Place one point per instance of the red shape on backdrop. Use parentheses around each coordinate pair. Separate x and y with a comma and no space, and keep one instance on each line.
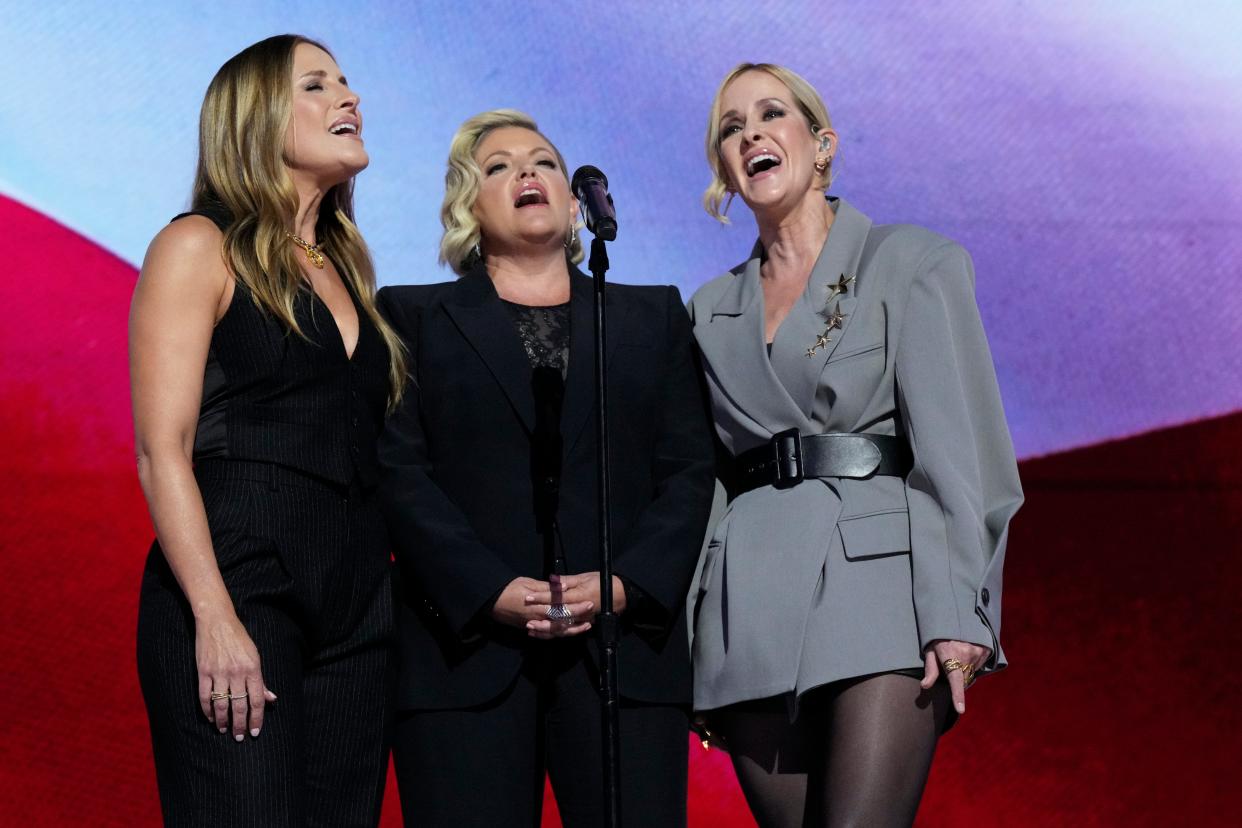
(1120,601)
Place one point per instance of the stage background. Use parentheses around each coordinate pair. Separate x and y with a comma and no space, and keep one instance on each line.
(1087,154)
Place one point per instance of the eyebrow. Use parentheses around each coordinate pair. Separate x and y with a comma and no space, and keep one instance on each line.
(320,73)
(506,153)
(733,113)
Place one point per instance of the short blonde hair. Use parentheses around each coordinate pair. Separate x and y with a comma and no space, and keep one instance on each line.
(805,97)
(462,181)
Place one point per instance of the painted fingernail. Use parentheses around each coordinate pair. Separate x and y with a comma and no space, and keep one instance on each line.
(240,737)
(961,708)
(254,731)
(224,730)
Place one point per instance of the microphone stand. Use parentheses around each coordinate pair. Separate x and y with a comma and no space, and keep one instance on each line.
(607,622)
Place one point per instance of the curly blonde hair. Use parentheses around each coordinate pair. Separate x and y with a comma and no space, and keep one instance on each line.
(461,187)
(809,103)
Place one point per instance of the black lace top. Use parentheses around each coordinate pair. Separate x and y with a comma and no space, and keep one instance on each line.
(544,332)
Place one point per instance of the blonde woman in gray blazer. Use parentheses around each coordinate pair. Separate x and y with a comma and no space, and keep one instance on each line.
(851,592)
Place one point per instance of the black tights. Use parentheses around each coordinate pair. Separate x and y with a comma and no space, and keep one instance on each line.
(858,753)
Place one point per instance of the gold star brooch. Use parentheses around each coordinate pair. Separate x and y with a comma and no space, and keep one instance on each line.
(835,319)
(840,287)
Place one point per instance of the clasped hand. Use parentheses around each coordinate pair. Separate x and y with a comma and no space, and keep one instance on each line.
(525,601)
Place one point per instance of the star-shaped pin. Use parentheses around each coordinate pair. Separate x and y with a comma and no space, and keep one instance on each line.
(834,319)
(840,287)
(821,341)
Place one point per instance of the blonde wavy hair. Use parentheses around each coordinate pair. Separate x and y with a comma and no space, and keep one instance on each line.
(458,245)
(241,171)
(809,103)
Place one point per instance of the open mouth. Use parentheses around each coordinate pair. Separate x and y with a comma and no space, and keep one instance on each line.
(530,196)
(762,162)
(344,128)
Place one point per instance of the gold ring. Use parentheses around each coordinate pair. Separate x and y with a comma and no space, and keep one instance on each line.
(242,696)
(220,696)
(968,670)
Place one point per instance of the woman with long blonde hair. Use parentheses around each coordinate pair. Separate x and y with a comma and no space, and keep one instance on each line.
(261,374)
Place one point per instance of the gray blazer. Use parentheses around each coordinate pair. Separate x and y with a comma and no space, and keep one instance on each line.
(838,578)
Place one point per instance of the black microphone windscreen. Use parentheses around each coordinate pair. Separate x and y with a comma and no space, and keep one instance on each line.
(586,173)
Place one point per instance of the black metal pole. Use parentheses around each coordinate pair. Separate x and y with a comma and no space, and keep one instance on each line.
(607,619)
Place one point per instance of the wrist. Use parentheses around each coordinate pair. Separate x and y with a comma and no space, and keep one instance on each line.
(213,612)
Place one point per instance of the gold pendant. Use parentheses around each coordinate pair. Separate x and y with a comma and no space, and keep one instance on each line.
(314,254)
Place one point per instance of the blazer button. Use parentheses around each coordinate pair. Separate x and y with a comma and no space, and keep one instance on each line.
(986,596)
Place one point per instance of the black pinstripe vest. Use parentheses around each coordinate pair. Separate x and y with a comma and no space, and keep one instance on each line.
(272,396)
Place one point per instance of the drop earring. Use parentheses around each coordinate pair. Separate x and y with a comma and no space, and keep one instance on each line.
(821,164)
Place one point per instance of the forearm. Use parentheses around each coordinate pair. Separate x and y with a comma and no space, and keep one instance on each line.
(180,519)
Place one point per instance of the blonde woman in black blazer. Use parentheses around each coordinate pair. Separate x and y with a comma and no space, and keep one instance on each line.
(492,691)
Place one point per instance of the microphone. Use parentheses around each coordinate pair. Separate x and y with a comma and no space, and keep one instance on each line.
(591,187)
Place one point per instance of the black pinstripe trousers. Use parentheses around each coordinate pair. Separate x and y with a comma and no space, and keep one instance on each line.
(307,566)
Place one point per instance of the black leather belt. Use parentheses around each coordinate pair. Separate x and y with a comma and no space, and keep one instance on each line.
(789,458)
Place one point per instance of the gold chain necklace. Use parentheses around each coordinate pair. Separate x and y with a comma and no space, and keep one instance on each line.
(314,252)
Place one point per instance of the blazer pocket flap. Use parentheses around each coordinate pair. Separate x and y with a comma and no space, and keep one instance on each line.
(875,536)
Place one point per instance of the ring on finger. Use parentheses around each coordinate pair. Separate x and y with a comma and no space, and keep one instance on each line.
(968,670)
(217,696)
(239,696)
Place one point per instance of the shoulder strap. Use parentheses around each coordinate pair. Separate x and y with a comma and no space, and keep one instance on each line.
(215,212)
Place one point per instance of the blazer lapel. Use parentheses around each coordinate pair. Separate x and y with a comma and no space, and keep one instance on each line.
(734,350)
(579,404)
(820,320)
(477,311)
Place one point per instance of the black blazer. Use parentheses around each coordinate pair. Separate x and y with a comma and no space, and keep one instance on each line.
(455,482)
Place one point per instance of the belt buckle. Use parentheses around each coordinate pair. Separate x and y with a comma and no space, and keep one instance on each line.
(787,458)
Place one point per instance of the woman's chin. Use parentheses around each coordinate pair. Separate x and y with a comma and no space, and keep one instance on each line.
(541,239)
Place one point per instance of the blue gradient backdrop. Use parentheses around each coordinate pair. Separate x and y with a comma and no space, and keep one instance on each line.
(1087,153)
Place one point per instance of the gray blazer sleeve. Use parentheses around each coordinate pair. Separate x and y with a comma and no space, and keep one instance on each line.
(964,487)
